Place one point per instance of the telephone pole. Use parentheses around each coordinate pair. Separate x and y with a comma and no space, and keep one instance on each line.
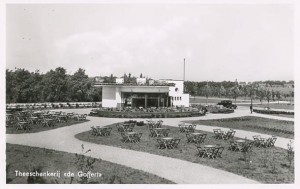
(183,69)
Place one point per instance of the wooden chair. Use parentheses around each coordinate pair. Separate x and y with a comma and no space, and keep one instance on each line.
(108,131)
(181,128)
(138,137)
(272,141)
(217,133)
(166,132)
(94,131)
(189,137)
(233,146)
(161,144)
(152,132)
(220,151)
(201,152)
(257,140)
(125,138)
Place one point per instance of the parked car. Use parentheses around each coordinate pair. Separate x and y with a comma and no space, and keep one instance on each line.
(227,104)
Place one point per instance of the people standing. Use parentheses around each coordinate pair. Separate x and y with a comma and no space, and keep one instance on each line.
(251,108)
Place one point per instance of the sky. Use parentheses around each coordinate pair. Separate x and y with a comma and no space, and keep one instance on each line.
(247,42)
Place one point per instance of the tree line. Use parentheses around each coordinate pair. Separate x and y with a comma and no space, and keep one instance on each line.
(230,89)
(56,85)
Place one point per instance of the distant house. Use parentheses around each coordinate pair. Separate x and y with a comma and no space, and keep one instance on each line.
(289,85)
(99,79)
(242,84)
(277,86)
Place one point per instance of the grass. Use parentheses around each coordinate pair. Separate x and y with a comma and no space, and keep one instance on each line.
(256,124)
(230,161)
(202,100)
(273,106)
(283,115)
(38,127)
(25,158)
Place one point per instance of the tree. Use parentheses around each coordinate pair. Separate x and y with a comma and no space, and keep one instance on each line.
(80,86)
(261,93)
(222,91)
(207,92)
(55,85)
(278,96)
(235,93)
(268,95)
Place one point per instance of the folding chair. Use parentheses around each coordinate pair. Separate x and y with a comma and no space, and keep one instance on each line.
(201,152)
(257,140)
(125,138)
(220,151)
(94,131)
(166,132)
(272,141)
(181,128)
(108,131)
(189,137)
(161,144)
(176,142)
(152,132)
(233,146)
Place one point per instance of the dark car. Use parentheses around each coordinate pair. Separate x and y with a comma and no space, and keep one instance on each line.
(227,104)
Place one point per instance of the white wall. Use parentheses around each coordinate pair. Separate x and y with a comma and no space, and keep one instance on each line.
(109,97)
(176,92)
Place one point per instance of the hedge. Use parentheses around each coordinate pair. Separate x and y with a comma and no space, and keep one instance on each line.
(272,112)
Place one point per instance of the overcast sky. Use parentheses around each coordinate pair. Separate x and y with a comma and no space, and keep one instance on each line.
(219,42)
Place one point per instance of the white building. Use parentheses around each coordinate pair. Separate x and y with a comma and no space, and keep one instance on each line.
(162,93)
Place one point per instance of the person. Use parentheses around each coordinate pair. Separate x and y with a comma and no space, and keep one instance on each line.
(251,108)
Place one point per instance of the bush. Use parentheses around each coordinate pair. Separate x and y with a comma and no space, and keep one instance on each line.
(272,112)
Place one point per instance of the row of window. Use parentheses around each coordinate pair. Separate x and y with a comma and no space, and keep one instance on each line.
(174,98)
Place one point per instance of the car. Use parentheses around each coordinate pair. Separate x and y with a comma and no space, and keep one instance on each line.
(227,104)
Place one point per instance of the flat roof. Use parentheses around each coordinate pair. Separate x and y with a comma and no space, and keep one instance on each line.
(136,84)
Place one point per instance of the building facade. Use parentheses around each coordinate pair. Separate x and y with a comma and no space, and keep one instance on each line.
(161,93)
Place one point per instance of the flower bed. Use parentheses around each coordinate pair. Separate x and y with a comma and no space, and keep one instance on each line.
(121,114)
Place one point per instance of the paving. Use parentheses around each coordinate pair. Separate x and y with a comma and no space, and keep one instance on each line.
(178,171)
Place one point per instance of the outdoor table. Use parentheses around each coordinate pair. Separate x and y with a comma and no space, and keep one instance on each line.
(131,133)
(167,138)
(210,146)
(195,134)
(240,141)
(209,150)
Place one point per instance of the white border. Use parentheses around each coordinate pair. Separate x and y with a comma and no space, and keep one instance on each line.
(238,186)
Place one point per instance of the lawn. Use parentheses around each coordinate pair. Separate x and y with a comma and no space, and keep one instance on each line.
(273,106)
(202,100)
(256,124)
(25,158)
(38,127)
(261,168)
